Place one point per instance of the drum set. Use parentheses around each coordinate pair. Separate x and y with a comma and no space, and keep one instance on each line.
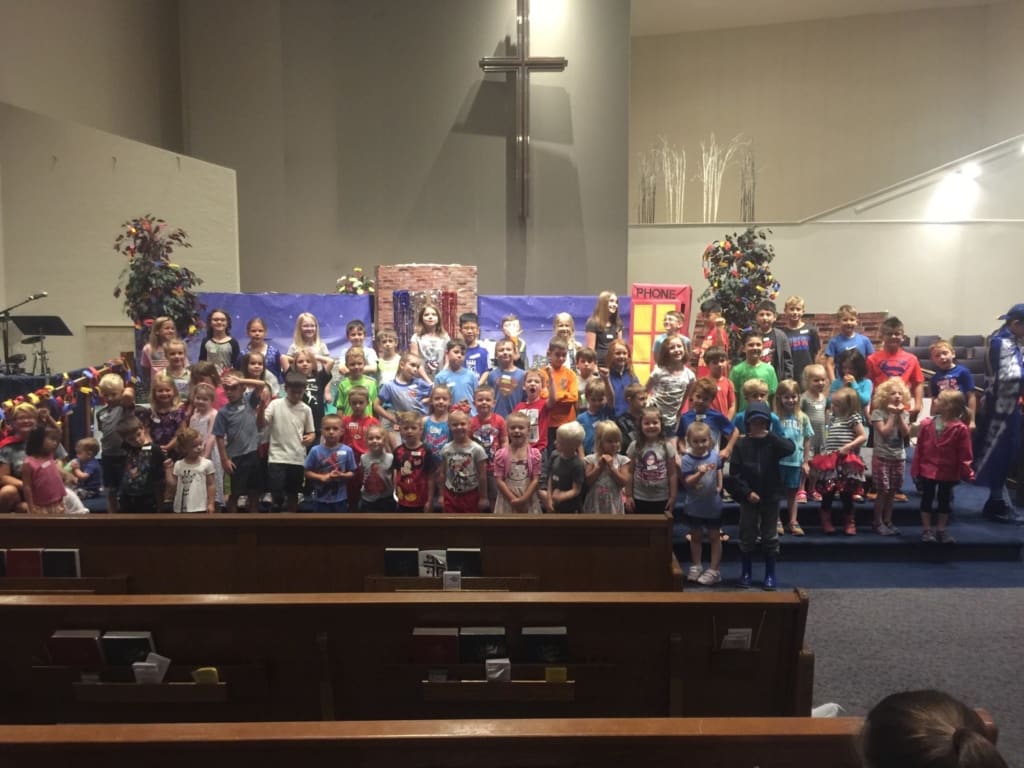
(36,329)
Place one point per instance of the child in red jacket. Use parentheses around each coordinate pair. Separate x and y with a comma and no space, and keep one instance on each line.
(942,458)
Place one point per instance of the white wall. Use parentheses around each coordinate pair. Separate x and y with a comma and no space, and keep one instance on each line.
(365,133)
(64,193)
(110,64)
(836,108)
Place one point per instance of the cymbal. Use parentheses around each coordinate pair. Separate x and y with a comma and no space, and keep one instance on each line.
(33,340)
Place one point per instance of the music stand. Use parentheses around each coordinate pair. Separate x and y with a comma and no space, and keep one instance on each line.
(41,326)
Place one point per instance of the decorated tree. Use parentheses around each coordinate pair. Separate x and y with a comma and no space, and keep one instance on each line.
(739,275)
(153,285)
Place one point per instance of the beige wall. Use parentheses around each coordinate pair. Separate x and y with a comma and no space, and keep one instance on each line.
(64,192)
(836,109)
(365,133)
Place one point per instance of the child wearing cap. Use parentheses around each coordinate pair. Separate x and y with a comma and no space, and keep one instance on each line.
(755,481)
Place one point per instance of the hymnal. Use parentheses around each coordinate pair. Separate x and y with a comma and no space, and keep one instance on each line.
(61,562)
(125,648)
(432,563)
(465,559)
(435,645)
(477,644)
(545,645)
(24,562)
(401,561)
(498,670)
(75,648)
(451,581)
(738,638)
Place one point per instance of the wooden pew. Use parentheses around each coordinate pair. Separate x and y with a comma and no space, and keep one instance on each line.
(349,656)
(201,554)
(597,742)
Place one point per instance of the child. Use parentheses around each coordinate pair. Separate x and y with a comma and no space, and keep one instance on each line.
(754,480)
(566,472)
(804,342)
(377,492)
(177,366)
(355,376)
(517,469)
(854,374)
(536,408)
(596,412)
(942,457)
(218,347)
(476,356)
(461,381)
(893,360)
(153,359)
(561,384)
(41,475)
(701,474)
(725,398)
(205,372)
(435,426)
(307,336)
(165,415)
(355,332)
(489,430)
(256,328)
(388,358)
(669,382)
(141,487)
(752,367)
(118,407)
(796,427)
(254,366)
(673,327)
(190,481)
(714,331)
(891,425)
(429,341)
(237,432)
(329,467)
(619,373)
(774,343)
(700,412)
(607,472)
(202,420)
(505,379)
(654,475)
(86,470)
(814,403)
(587,370)
(414,466)
(354,429)
(603,326)
(564,328)
(950,375)
(838,468)
(306,364)
(513,331)
(847,338)
(408,391)
(291,433)
(629,422)
(464,468)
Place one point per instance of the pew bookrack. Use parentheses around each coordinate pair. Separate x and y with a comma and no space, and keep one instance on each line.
(64,585)
(146,693)
(523,583)
(520,691)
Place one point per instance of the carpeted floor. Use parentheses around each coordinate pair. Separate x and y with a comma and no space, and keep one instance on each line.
(871,642)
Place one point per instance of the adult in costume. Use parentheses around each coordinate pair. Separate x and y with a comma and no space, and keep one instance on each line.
(997,438)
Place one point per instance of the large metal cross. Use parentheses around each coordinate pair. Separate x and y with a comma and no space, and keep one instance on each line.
(520,65)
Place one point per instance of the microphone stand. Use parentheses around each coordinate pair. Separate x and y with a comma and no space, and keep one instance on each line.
(5,320)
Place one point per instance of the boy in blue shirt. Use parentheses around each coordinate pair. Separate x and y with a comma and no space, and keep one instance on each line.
(329,466)
(461,381)
(476,356)
(847,338)
(597,410)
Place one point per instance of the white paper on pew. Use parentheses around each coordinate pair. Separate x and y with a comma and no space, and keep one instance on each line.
(831,709)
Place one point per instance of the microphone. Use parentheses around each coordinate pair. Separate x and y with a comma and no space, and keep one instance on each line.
(40,295)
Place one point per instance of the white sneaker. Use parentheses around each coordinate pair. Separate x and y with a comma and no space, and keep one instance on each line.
(710,578)
(694,573)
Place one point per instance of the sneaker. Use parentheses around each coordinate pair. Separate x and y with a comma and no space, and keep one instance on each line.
(796,530)
(816,496)
(998,510)
(945,537)
(900,497)
(694,573)
(858,498)
(801,497)
(892,530)
(928,536)
(780,528)
(880,529)
(710,577)
(870,495)
(850,528)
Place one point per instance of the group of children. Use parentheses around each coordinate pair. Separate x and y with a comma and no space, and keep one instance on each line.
(440,426)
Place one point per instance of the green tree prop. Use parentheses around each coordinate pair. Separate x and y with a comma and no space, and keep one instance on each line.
(739,275)
(152,285)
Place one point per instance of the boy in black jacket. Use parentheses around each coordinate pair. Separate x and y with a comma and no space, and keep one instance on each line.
(755,482)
